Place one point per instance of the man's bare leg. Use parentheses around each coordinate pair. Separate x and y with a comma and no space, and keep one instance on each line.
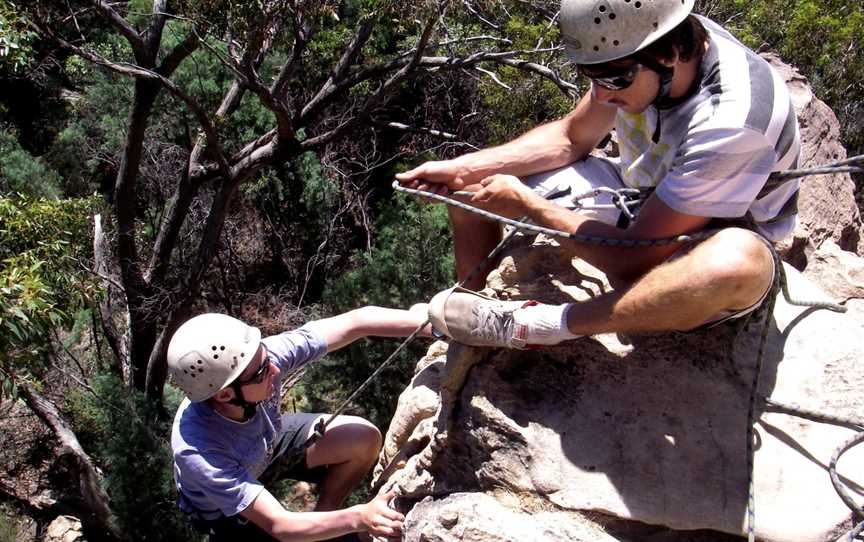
(731,270)
(473,238)
(349,448)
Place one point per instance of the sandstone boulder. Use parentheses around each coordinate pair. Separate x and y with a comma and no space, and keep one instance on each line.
(644,428)
(643,437)
(826,208)
(64,529)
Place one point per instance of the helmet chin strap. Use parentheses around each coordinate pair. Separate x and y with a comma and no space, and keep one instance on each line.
(662,100)
(240,400)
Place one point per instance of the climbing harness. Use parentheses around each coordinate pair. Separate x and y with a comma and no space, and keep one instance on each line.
(626,200)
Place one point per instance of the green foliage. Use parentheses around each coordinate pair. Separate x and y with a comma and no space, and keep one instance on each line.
(530,100)
(42,282)
(411,262)
(8,529)
(15,39)
(24,173)
(127,438)
(824,39)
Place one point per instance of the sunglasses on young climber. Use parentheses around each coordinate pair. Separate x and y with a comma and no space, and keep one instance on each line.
(611,80)
(260,373)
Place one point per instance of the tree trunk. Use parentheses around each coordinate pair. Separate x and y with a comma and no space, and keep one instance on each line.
(99,517)
(142,321)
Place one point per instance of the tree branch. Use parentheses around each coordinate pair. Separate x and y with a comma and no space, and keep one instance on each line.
(415,129)
(302,34)
(154,33)
(143,73)
(177,55)
(127,30)
(334,85)
(89,480)
(382,92)
(565,86)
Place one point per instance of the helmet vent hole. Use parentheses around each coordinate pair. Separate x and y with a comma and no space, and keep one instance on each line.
(637,5)
(602,9)
(615,43)
(656,25)
(221,348)
(192,375)
(242,354)
(597,20)
(213,347)
(611,15)
(603,39)
(200,362)
(596,48)
(200,370)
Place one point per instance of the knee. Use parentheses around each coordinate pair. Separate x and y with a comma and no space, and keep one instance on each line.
(738,259)
(365,438)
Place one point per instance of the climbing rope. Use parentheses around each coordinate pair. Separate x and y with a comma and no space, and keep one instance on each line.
(625,199)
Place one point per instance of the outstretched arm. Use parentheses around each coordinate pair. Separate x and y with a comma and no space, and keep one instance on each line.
(374,517)
(369,321)
(548,146)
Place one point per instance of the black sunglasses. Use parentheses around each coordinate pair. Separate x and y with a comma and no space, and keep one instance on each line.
(260,372)
(618,80)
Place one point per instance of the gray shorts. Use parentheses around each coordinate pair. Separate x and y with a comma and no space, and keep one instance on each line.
(565,186)
(289,455)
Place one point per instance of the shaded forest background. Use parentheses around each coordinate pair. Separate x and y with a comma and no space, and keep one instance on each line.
(239,157)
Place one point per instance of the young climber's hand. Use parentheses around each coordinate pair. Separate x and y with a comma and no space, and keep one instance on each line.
(379,519)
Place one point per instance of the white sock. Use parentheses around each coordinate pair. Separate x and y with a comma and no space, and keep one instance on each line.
(546,324)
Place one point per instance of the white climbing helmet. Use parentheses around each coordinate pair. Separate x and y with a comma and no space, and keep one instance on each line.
(209,351)
(597,31)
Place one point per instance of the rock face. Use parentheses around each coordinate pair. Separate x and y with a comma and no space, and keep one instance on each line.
(64,529)
(826,206)
(642,437)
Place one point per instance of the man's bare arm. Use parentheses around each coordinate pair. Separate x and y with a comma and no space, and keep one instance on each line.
(375,517)
(543,148)
(343,329)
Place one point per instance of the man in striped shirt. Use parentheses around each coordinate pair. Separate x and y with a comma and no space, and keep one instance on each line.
(701,123)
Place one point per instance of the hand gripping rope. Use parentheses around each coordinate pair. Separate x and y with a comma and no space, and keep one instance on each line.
(624,199)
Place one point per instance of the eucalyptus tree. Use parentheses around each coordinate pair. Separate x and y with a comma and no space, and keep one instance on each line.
(326,72)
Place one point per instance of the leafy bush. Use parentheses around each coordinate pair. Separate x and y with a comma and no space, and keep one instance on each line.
(21,172)
(824,39)
(129,440)
(42,280)
(15,38)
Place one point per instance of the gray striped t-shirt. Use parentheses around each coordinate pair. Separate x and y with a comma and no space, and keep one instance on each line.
(716,150)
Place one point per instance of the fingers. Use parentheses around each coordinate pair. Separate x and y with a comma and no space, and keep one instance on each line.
(481,196)
(380,519)
(410,175)
(386,532)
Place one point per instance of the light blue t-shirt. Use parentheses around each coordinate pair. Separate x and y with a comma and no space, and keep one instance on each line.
(217,461)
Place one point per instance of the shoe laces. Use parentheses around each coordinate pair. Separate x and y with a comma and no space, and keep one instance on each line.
(494,324)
